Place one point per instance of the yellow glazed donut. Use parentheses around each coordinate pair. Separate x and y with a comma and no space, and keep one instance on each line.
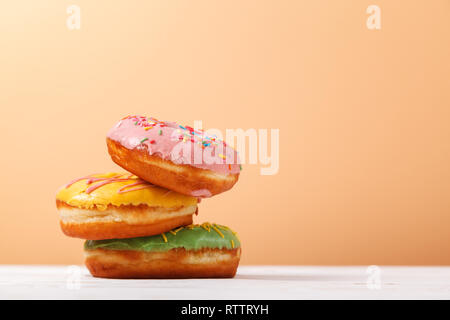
(120,205)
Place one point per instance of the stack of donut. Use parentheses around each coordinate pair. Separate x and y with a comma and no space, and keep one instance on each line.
(139,224)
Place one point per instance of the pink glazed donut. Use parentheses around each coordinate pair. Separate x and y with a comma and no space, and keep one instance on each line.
(173,156)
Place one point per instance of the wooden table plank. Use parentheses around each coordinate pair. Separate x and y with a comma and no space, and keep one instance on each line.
(251,282)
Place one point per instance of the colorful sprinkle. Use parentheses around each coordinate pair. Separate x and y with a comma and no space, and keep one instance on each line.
(160,132)
(206,226)
(143,140)
(218,231)
(176,230)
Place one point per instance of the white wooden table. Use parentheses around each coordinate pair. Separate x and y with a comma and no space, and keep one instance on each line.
(259,282)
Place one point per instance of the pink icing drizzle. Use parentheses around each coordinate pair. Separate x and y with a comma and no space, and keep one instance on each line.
(104,181)
(143,185)
(170,141)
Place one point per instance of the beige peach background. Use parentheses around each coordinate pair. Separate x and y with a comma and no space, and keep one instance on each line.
(364,118)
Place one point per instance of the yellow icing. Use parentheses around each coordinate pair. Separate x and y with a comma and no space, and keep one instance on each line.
(108,194)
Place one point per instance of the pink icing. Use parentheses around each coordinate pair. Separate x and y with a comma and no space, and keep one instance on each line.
(181,145)
(201,193)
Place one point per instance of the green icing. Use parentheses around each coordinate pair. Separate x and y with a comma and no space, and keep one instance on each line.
(189,239)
